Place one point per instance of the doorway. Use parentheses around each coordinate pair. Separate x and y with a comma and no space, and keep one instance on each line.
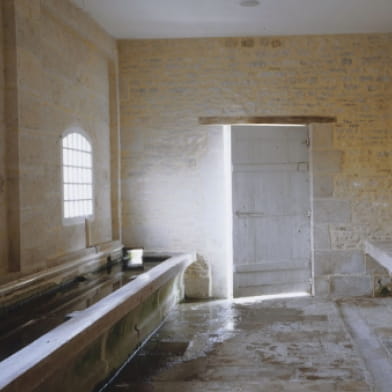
(270,210)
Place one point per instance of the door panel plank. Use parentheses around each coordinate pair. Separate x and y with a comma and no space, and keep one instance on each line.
(271,204)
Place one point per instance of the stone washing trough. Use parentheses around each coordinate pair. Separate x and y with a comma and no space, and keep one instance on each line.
(84,351)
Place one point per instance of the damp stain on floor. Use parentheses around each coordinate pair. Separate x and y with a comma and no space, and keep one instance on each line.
(303,344)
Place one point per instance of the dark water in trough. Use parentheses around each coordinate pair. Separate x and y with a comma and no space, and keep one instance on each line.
(22,323)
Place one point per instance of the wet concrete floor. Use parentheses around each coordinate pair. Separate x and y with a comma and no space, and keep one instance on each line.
(301,344)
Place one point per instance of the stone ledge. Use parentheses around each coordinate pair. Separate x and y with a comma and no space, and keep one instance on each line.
(31,367)
(67,267)
(381,252)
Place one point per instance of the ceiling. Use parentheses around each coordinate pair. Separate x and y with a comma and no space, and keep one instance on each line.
(222,18)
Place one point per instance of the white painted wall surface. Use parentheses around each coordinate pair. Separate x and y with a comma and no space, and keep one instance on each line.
(173,194)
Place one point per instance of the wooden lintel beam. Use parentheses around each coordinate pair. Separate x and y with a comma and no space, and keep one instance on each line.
(228,120)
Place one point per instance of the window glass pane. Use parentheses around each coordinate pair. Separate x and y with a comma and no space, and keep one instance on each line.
(80,158)
(86,160)
(67,194)
(66,174)
(83,145)
(89,162)
(66,141)
(77,141)
(77,176)
(84,209)
(87,175)
(66,157)
(72,140)
(89,191)
(73,209)
(78,192)
(87,146)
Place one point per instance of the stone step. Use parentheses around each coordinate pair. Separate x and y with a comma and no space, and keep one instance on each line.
(269,289)
(257,278)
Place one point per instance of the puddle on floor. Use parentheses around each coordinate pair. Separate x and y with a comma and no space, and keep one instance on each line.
(295,345)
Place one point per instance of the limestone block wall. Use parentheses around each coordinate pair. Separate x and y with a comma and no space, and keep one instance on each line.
(338,270)
(64,74)
(172,168)
(3,195)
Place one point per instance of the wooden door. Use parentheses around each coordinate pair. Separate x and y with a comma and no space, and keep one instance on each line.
(271,210)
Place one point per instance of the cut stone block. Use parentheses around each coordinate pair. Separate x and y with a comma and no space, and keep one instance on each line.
(331,211)
(321,286)
(338,262)
(351,286)
(323,186)
(322,136)
(322,238)
(373,267)
(327,161)
(197,280)
(381,252)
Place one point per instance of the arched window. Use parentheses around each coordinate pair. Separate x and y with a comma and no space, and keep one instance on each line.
(77,176)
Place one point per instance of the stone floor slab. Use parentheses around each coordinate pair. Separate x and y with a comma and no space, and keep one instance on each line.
(290,345)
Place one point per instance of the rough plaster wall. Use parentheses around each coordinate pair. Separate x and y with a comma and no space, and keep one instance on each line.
(63,67)
(172,168)
(3,197)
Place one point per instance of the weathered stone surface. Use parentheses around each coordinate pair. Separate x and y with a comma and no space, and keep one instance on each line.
(373,267)
(327,161)
(322,137)
(167,85)
(381,252)
(346,236)
(338,262)
(97,339)
(351,286)
(322,238)
(197,280)
(321,286)
(64,72)
(382,286)
(296,345)
(3,173)
(332,211)
(59,73)
(323,186)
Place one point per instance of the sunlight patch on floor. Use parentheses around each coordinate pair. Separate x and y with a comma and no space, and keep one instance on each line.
(270,297)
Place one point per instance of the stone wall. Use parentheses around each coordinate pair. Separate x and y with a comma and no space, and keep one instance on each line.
(3,197)
(172,168)
(63,74)
(338,271)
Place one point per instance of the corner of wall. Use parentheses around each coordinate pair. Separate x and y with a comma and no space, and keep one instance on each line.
(12,169)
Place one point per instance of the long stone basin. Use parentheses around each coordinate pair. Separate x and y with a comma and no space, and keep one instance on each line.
(86,349)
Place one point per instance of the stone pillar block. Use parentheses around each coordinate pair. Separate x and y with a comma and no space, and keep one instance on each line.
(197,280)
